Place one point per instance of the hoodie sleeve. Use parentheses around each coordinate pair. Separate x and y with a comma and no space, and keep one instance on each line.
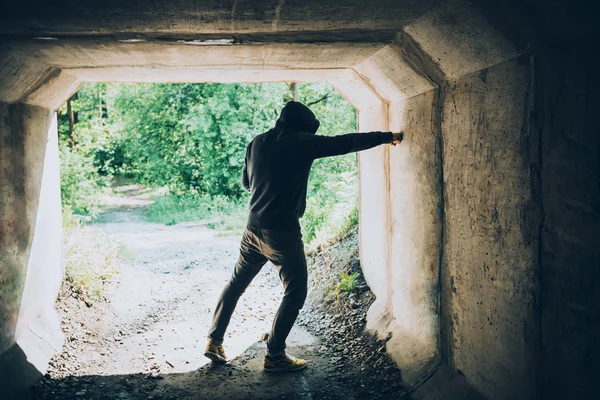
(316,146)
(245,181)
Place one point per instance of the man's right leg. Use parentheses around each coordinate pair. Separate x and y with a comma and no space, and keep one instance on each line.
(286,251)
(248,265)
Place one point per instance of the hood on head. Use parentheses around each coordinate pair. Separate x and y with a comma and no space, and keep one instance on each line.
(296,116)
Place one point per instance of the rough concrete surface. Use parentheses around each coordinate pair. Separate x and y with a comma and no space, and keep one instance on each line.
(199,74)
(391,76)
(416,229)
(54,91)
(80,53)
(192,17)
(374,232)
(459,38)
(46,73)
(490,266)
(360,95)
(23,130)
(38,331)
(566,116)
(19,74)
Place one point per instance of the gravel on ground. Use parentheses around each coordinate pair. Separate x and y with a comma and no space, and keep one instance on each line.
(146,339)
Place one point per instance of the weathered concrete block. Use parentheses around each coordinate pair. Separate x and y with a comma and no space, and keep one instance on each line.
(30,240)
(490,291)
(415,245)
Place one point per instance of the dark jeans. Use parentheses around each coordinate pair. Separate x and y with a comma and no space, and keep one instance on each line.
(286,251)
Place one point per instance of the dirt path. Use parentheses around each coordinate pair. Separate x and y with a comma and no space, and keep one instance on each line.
(148,340)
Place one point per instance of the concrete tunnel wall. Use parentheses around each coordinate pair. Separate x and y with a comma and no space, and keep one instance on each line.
(490,241)
(31,238)
(479,235)
(375,113)
(566,126)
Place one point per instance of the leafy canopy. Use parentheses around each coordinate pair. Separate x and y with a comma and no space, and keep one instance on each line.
(191,139)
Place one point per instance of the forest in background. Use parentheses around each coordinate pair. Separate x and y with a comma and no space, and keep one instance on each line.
(190,140)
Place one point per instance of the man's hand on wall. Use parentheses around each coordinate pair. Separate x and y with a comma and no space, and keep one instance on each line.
(398,137)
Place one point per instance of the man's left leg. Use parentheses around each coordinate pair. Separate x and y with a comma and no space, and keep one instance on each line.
(248,265)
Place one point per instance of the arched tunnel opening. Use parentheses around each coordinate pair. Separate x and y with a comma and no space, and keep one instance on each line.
(143,268)
(478,235)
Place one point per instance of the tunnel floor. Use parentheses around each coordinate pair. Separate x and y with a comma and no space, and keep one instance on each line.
(146,341)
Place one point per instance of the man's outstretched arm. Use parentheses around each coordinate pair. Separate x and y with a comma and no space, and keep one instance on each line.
(316,146)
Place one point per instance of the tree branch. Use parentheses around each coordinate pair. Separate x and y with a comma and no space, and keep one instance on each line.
(320,100)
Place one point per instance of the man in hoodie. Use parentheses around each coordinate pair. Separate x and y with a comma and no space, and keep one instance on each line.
(276,172)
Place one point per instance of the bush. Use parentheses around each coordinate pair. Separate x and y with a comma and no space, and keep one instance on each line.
(331,207)
(90,257)
(80,183)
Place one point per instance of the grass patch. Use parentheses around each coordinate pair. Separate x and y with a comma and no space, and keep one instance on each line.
(125,253)
(228,217)
(90,258)
(219,212)
(348,282)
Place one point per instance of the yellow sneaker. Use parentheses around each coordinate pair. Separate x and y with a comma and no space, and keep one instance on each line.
(284,363)
(215,353)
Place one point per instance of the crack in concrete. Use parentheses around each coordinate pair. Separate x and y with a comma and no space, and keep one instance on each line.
(277,15)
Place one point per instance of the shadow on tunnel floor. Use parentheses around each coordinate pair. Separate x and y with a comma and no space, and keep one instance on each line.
(16,373)
(445,384)
(241,378)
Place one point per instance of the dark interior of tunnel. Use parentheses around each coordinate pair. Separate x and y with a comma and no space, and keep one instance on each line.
(479,234)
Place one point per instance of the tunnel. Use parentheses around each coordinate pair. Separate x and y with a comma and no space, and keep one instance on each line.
(479,234)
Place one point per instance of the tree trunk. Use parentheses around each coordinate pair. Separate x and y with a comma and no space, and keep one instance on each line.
(71,116)
(294,89)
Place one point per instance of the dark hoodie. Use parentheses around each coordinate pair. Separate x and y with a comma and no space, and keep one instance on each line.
(278,163)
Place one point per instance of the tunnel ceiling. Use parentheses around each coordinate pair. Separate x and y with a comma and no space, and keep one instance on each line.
(83,17)
(398,49)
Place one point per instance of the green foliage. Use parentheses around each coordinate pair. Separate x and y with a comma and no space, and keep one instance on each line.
(333,185)
(90,257)
(348,283)
(191,139)
(79,182)
(351,220)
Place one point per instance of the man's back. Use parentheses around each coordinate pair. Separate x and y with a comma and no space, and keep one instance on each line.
(278,164)
(277,177)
